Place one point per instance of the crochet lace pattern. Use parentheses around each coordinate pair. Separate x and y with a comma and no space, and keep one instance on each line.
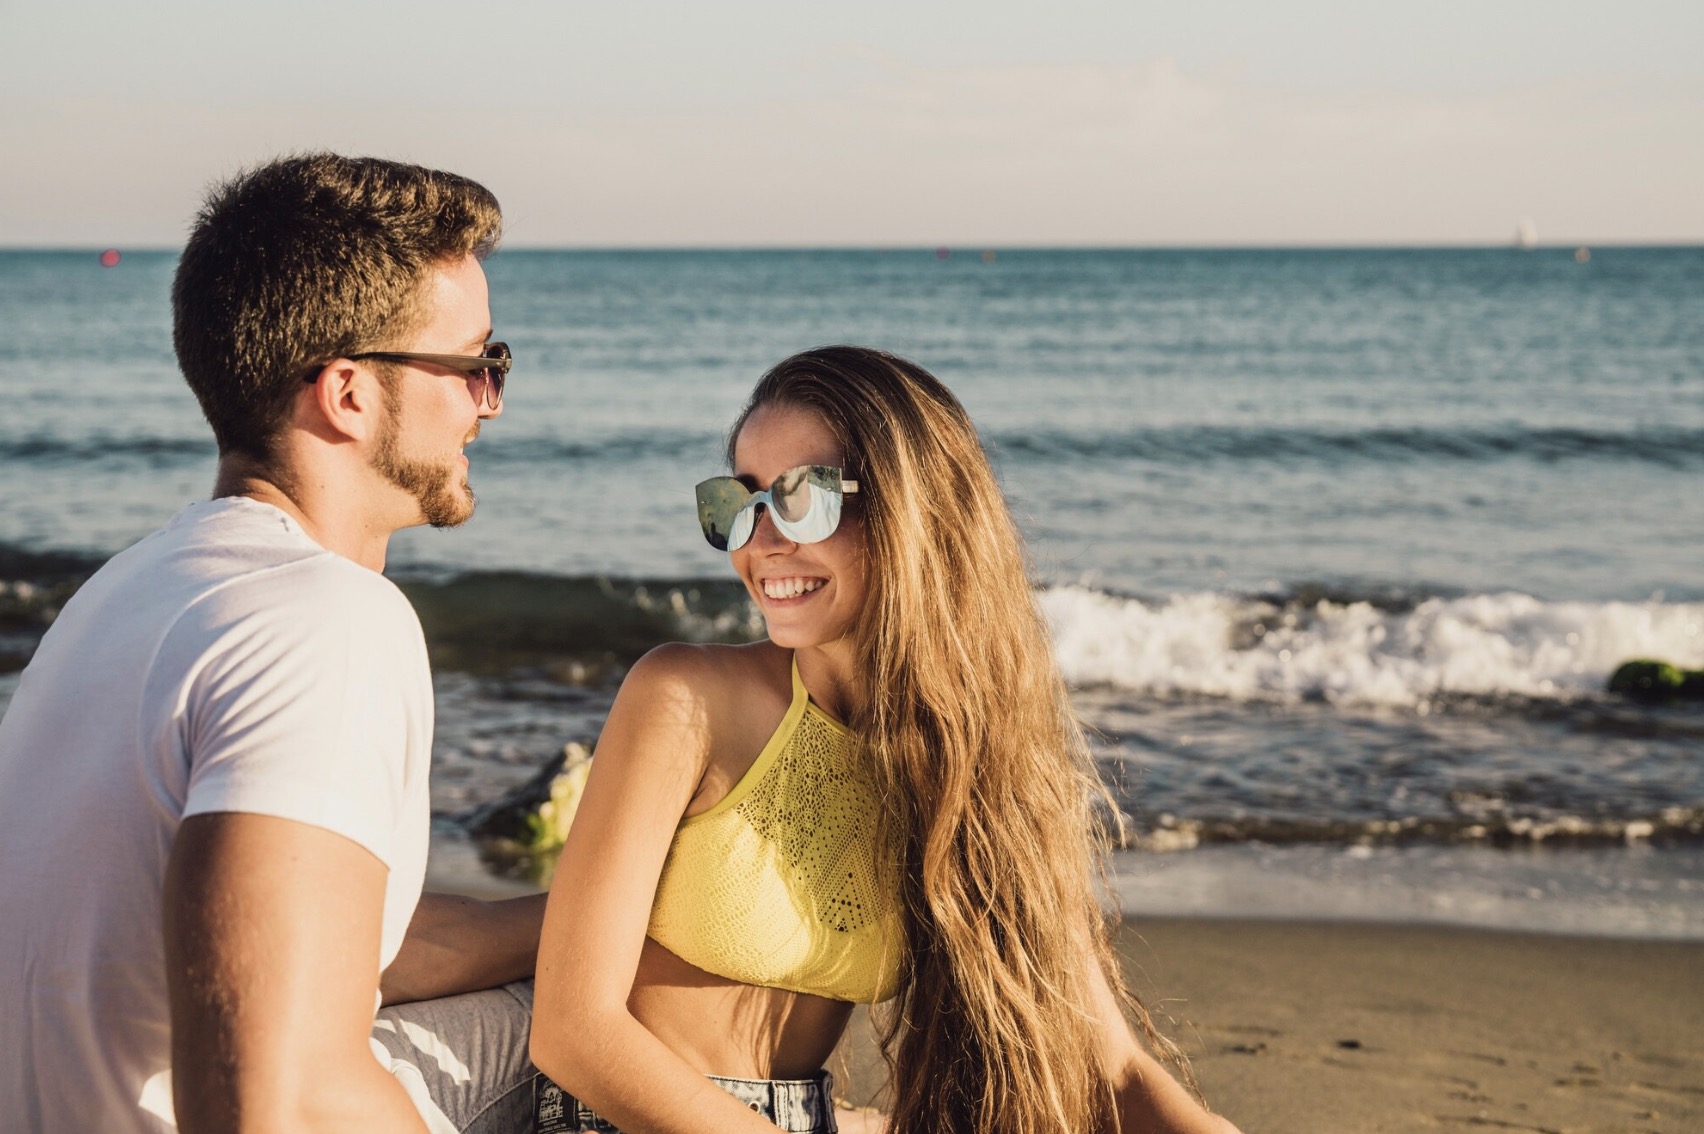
(782,884)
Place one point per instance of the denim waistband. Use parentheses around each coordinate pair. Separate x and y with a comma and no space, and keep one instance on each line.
(798,1106)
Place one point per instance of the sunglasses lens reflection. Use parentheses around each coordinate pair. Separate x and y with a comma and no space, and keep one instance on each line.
(494,375)
(792,494)
(816,516)
(804,504)
(744,521)
(720,500)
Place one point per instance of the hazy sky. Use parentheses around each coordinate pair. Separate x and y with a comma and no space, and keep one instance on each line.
(758,122)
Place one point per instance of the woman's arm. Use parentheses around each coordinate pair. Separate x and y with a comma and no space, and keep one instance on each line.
(1149,1099)
(651,756)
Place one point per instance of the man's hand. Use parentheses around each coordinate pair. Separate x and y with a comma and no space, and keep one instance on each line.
(272,931)
(457,944)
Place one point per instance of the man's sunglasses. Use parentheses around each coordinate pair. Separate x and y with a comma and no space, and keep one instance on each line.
(490,367)
(804,503)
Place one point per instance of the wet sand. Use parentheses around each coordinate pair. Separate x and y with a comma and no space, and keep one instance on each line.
(1299,1028)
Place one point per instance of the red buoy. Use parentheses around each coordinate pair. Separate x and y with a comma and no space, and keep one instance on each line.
(110,258)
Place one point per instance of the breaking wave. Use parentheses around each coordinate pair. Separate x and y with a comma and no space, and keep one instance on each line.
(1362,651)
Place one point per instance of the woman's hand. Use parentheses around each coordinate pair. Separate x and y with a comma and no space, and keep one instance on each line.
(1148,1098)
(861,1122)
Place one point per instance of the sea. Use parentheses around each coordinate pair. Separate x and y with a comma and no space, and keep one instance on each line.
(1339,547)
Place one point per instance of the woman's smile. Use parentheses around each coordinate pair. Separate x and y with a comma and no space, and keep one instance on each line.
(791,588)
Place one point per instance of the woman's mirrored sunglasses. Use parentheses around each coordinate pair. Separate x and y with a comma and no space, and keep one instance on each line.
(490,367)
(804,504)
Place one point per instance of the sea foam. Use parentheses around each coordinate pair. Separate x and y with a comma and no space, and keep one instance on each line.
(1359,652)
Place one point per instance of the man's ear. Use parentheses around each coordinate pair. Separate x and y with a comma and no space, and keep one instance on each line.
(346,401)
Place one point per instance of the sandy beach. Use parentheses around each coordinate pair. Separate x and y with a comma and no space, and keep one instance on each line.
(1345,1029)
(1352,1028)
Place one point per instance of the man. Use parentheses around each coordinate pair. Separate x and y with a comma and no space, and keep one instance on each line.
(213,801)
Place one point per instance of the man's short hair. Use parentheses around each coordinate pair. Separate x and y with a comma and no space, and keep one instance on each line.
(302,260)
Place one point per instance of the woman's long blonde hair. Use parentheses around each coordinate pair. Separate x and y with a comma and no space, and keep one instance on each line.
(986,779)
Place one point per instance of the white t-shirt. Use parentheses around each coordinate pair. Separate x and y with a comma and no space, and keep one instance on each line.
(225,663)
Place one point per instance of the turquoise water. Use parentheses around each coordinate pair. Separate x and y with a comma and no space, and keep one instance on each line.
(1339,546)
(1429,421)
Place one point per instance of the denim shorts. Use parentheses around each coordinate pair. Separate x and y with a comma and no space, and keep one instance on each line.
(798,1106)
(463,1059)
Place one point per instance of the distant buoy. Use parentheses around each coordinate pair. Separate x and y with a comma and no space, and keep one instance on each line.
(1582,255)
(943,252)
(988,255)
(110,258)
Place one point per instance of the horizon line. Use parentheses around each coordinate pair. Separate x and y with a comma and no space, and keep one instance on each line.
(977,248)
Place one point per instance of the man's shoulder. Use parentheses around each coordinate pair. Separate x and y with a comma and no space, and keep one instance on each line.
(320,597)
(243,553)
(216,564)
(247,571)
(320,578)
(227,542)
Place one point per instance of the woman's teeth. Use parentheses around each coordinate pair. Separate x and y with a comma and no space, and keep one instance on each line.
(790,588)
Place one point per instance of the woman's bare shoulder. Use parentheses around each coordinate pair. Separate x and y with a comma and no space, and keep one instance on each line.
(705,681)
(710,667)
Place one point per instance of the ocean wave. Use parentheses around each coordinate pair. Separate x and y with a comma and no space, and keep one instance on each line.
(1670,827)
(622,446)
(1376,648)
(1674,448)
(153,452)
(1362,652)
(34,586)
(581,629)
(618,448)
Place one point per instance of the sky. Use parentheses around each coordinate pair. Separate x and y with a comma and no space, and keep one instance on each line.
(750,123)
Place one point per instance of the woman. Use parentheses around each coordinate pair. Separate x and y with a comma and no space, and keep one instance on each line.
(887,798)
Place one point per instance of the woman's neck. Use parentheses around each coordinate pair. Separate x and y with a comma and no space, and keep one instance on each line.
(832,678)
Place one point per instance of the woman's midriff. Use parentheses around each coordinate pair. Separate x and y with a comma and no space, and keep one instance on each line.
(723,1027)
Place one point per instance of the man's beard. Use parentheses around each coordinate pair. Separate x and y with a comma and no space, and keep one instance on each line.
(444,497)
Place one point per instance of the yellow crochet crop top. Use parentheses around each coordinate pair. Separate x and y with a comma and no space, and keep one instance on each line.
(781,883)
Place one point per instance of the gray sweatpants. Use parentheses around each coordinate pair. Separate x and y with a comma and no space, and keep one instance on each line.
(463,1059)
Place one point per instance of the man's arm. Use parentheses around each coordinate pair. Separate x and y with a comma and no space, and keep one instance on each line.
(457,944)
(272,932)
